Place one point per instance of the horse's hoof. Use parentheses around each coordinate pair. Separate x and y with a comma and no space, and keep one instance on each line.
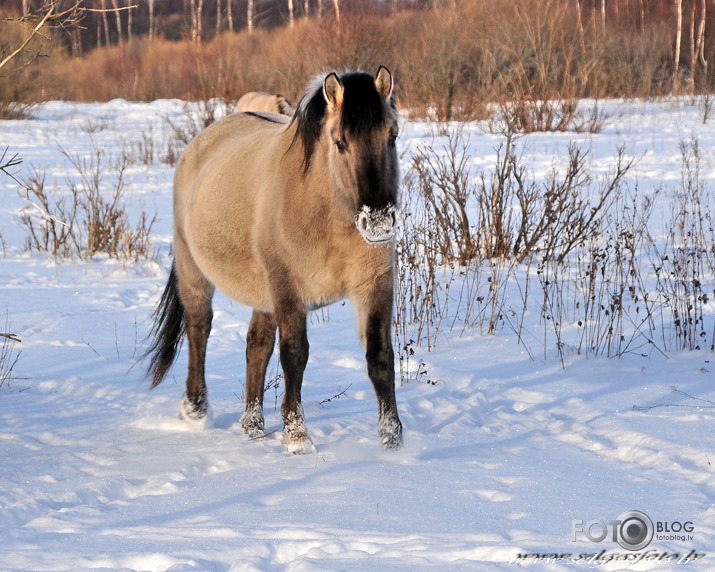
(390,431)
(252,424)
(296,439)
(299,447)
(391,443)
(198,416)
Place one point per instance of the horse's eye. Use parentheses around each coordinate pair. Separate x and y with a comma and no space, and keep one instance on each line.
(340,144)
(393,140)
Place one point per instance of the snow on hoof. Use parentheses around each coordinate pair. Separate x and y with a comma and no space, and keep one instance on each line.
(252,423)
(299,447)
(295,436)
(390,431)
(197,417)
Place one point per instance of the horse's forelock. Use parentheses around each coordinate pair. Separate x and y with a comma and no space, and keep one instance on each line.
(363,109)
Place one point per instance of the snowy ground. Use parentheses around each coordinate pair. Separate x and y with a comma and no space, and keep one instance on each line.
(502,454)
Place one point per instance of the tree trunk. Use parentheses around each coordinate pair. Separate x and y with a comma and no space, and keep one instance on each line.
(603,15)
(151,20)
(229,14)
(336,3)
(218,17)
(579,23)
(642,14)
(700,39)
(118,17)
(197,8)
(249,16)
(105,21)
(693,51)
(130,12)
(291,20)
(678,37)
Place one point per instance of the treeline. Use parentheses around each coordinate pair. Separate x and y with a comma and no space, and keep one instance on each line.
(452,58)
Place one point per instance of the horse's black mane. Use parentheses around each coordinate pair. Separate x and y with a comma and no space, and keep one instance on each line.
(362,110)
(264,116)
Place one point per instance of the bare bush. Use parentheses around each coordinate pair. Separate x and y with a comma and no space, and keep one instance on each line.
(86,218)
(50,226)
(684,265)
(467,243)
(534,58)
(530,116)
(196,118)
(9,356)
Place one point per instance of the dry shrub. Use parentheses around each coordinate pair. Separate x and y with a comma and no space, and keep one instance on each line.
(9,356)
(87,218)
(529,57)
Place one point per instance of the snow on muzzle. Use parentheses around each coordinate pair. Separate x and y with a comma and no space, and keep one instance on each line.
(376,225)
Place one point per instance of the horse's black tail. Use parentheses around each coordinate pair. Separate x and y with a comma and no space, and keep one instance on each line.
(168,331)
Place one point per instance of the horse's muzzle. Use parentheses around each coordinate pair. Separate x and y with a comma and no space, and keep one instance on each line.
(376,226)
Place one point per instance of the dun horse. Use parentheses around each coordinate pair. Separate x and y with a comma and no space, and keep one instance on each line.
(286,216)
(259,101)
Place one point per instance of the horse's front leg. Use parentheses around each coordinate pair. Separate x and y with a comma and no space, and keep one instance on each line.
(259,348)
(293,343)
(375,319)
(291,317)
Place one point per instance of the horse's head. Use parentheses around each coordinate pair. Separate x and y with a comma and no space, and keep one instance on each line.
(358,124)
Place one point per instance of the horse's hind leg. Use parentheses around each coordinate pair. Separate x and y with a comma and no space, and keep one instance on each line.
(259,347)
(196,293)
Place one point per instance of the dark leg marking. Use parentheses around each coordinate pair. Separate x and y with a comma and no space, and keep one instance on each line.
(260,341)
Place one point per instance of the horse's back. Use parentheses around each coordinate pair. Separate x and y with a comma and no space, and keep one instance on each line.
(222,176)
(259,101)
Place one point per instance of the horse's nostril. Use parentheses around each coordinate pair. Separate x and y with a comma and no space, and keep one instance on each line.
(363,222)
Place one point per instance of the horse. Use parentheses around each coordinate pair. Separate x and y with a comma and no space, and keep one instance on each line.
(286,216)
(259,101)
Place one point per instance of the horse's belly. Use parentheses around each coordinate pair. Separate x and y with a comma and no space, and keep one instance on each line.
(229,264)
(245,287)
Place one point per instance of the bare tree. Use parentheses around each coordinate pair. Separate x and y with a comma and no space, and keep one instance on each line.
(51,14)
(642,13)
(251,9)
(678,6)
(197,9)
(291,20)
(336,4)
(151,19)
(105,22)
(579,22)
(697,41)
(603,15)
(129,22)
(700,41)
(229,14)
(115,4)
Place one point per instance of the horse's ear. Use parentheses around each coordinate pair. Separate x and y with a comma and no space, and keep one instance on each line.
(383,82)
(333,90)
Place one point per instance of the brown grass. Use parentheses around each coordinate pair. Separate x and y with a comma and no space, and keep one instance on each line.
(449,63)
